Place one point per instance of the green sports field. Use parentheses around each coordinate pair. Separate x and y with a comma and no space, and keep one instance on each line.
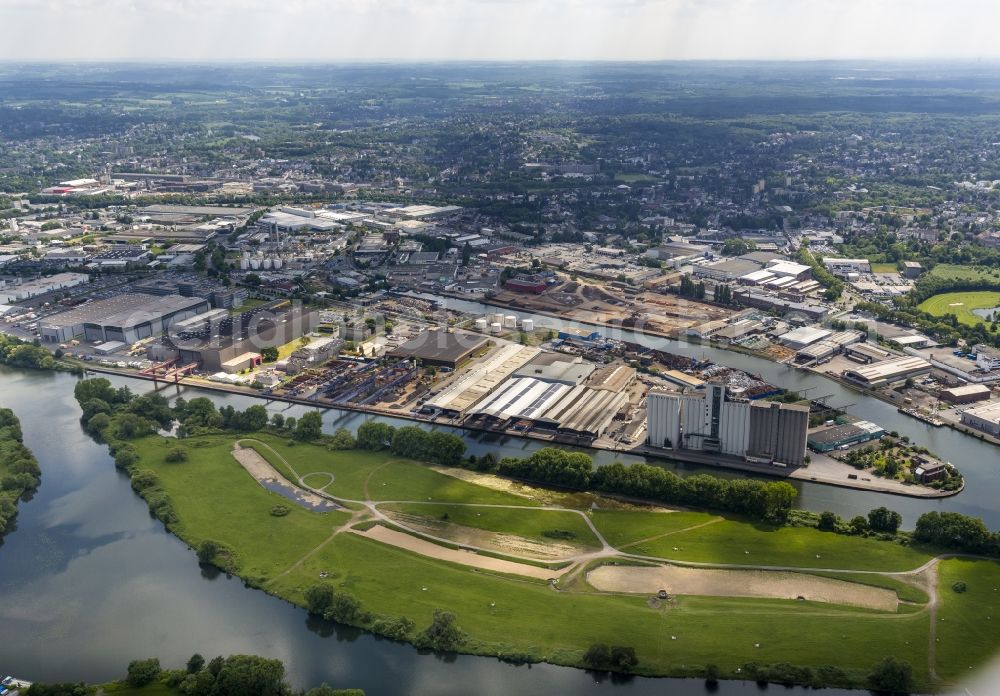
(504,614)
(961,305)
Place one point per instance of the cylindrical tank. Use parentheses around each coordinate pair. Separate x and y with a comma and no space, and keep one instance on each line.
(255,264)
(246,254)
(498,317)
(496,327)
(266,263)
(528,325)
(277,263)
(244,264)
(481,324)
(510,321)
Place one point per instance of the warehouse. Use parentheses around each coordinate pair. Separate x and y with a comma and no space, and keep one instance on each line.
(615,378)
(148,316)
(583,412)
(966,394)
(887,371)
(828,347)
(441,348)
(130,316)
(985,418)
(802,337)
(843,436)
(522,398)
(14,293)
(557,367)
(480,381)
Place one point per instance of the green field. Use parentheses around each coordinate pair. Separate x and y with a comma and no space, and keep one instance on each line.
(952,271)
(215,498)
(967,631)
(530,524)
(961,305)
(884,268)
(742,543)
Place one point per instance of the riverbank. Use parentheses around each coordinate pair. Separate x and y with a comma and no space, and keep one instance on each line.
(19,471)
(700,458)
(497,612)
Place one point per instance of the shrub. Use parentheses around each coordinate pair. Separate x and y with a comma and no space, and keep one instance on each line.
(143,672)
(959,587)
(207,550)
(280,510)
(177,455)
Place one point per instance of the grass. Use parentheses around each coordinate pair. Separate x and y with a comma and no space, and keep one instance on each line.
(956,272)
(961,304)
(214,498)
(884,268)
(558,627)
(729,540)
(966,638)
(623,527)
(157,688)
(386,477)
(904,590)
(531,524)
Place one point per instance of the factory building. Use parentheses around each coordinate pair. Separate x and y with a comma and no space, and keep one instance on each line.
(557,367)
(843,436)
(126,318)
(146,318)
(844,267)
(985,418)
(14,292)
(966,394)
(218,343)
(884,372)
(707,421)
(481,381)
(441,348)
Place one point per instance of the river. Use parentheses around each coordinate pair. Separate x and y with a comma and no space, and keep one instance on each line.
(88,582)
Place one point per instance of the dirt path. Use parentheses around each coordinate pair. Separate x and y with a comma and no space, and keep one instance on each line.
(932,607)
(665,534)
(441,553)
(269,478)
(739,583)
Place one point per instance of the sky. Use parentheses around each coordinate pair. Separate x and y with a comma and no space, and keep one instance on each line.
(433,30)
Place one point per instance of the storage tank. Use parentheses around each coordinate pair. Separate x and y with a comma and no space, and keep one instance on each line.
(481,324)
(277,263)
(255,264)
(244,264)
(510,321)
(496,327)
(528,325)
(266,264)
(498,317)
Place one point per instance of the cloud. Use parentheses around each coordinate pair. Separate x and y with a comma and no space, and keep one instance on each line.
(495,29)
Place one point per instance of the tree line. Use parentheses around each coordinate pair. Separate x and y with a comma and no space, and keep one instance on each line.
(19,471)
(235,675)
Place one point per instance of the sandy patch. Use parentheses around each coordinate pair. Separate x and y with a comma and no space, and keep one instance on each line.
(716,582)
(431,550)
(268,477)
(493,541)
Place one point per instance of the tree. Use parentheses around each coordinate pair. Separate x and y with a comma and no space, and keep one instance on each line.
(858,524)
(884,520)
(176,455)
(598,656)
(623,658)
(269,354)
(827,521)
(442,634)
(207,551)
(309,426)
(374,435)
(248,674)
(466,254)
(342,439)
(319,598)
(195,664)
(278,420)
(892,675)
(143,672)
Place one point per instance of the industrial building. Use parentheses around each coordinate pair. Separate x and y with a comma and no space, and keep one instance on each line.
(804,336)
(884,372)
(441,348)
(557,367)
(706,420)
(480,381)
(213,345)
(828,347)
(578,411)
(844,267)
(126,318)
(843,436)
(14,292)
(985,418)
(965,394)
